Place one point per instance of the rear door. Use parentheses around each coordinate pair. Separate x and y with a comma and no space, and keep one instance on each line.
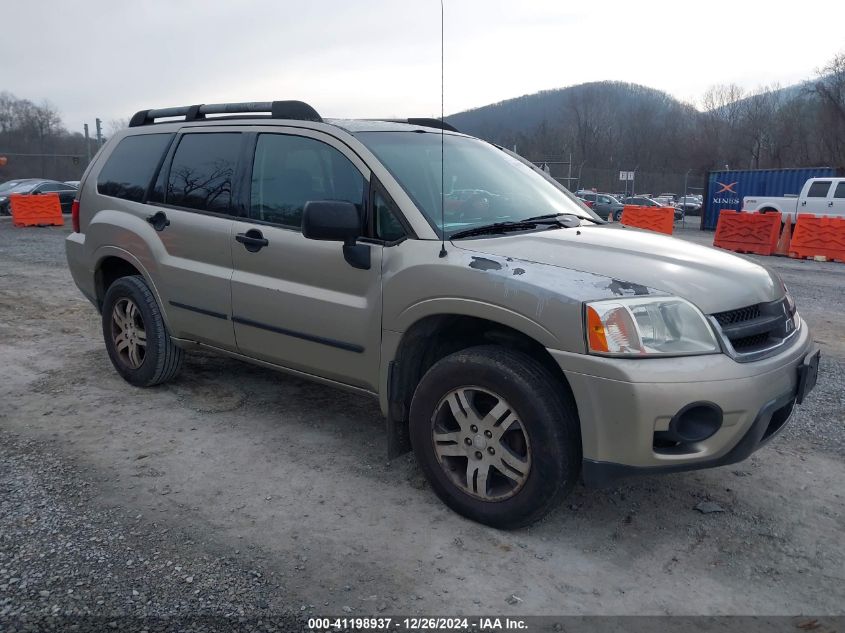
(297,302)
(836,204)
(192,206)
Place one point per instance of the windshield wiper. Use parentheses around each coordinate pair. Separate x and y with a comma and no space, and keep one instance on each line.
(559,217)
(496,227)
(548,216)
(550,220)
(502,227)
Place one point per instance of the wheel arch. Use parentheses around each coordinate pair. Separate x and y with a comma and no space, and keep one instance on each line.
(112,263)
(435,336)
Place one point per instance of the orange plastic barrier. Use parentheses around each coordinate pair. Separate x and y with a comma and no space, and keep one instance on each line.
(36,210)
(660,219)
(747,232)
(818,236)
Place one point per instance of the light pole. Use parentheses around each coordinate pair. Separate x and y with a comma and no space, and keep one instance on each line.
(87,147)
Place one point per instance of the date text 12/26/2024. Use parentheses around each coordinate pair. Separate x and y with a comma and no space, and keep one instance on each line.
(329,624)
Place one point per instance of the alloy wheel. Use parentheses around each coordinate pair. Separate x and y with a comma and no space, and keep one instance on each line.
(481,443)
(128,333)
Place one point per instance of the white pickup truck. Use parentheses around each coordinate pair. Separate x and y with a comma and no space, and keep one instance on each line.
(820,196)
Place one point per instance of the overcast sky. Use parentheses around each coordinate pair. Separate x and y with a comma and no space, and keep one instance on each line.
(368,58)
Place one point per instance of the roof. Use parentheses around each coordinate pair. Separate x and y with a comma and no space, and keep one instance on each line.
(277,111)
(354,126)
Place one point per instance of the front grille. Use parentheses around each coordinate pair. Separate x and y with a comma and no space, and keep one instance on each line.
(737,316)
(756,331)
(750,342)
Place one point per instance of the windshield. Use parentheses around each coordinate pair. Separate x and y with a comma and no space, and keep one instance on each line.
(484,184)
(8,186)
(23,187)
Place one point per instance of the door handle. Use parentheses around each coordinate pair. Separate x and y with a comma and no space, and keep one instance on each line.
(158,220)
(253,240)
(830,204)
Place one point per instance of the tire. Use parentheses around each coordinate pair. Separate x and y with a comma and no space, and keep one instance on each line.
(540,450)
(132,320)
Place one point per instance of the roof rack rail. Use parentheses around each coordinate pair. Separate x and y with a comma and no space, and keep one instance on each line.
(298,110)
(424,122)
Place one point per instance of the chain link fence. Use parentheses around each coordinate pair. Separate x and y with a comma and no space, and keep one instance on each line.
(51,166)
(581,176)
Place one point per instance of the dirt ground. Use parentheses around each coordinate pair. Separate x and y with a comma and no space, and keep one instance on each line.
(256,466)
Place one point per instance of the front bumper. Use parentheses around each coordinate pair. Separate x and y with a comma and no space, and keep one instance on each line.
(622,403)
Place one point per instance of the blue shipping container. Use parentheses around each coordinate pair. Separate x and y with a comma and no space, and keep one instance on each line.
(726,189)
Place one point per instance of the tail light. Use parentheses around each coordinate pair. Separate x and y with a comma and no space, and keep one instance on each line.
(74,216)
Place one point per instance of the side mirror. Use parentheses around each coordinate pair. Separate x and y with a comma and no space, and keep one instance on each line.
(336,221)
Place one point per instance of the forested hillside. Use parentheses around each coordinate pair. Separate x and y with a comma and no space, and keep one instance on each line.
(611,126)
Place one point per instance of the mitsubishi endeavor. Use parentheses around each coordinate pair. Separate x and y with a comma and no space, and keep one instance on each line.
(515,341)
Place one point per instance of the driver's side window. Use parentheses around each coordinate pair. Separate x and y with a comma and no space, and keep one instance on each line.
(289,171)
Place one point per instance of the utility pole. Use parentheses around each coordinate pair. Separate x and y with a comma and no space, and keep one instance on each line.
(87,147)
(569,175)
(99,125)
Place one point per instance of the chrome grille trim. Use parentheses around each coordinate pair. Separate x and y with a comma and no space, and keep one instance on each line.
(757,331)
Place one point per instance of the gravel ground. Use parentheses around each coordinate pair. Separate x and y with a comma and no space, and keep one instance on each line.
(233,471)
(66,559)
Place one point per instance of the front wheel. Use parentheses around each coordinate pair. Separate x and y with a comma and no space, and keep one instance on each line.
(496,435)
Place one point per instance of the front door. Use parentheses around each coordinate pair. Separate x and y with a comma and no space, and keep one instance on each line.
(297,302)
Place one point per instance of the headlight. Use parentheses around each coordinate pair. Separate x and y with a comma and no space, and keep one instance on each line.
(643,326)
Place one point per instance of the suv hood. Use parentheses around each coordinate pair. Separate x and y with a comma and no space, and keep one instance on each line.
(712,279)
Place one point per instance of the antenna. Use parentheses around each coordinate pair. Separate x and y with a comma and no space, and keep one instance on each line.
(442,162)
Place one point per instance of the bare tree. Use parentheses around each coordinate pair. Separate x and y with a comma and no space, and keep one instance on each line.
(116,125)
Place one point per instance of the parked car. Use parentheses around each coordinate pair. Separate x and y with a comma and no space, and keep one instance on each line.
(587,203)
(74,183)
(513,339)
(666,199)
(6,188)
(30,186)
(821,196)
(643,201)
(605,206)
(690,204)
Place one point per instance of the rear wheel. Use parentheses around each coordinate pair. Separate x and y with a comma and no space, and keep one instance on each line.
(136,338)
(495,435)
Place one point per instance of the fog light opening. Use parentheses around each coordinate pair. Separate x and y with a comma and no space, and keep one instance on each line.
(696,422)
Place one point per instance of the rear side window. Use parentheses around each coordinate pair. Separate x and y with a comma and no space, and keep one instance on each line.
(819,189)
(202,171)
(131,166)
(291,170)
(840,190)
